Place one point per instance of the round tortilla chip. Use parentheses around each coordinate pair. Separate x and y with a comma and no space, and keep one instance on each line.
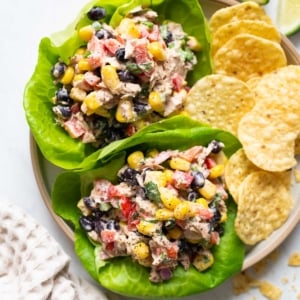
(255,27)
(237,168)
(245,11)
(268,135)
(265,202)
(269,131)
(246,55)
(220,101)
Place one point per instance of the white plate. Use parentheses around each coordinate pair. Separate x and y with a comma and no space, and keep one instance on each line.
(45,172)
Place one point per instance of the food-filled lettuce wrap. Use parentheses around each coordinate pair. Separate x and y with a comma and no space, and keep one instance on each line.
(153,219)
(117,68)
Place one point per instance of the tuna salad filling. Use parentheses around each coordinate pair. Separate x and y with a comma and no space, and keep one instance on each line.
(166,209)
(122,78)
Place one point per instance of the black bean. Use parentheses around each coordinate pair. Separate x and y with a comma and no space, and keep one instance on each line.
(198,181)
(100,225)
(102,34)
(120,55)
(217,146)
(129,175)
(89,203)
(169,37)
(141,108)
(96,13)
(58,69)
(86,223)
(112,225)
(192,196)
(126,76)
(62,97)
(62,111)
(169,224)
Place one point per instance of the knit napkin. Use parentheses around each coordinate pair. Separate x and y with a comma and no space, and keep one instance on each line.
(33,265)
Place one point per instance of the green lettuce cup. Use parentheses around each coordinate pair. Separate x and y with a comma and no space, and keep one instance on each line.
(121,274)
(54,142)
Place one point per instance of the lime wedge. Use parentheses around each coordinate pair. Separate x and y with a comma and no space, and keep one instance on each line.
(260,2)
(288,16)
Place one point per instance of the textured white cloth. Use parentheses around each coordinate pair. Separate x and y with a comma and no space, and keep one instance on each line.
(33,266)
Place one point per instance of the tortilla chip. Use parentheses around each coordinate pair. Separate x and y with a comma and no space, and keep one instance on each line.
(220,101)
(255,27)
(243,11)
(246,56)
(265,202)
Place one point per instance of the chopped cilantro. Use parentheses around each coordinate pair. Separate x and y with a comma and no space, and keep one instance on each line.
(152,192)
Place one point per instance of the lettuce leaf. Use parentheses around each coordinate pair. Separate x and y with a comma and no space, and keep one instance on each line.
(121,275)
(55,144)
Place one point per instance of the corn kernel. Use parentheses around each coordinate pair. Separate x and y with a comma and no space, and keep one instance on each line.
(147,228)
(68,76)
(193,44)
(178,163)
(140,251)
(169,198)
(157,177)
(110,77)
(169,174)
(103,112)
(183,211)
(77,94)
(156,102)
(77,77)
(203,202)
(152,153)
(223,217)
(157,51)
(84,65)
(125,112)
(128,28)
(216,171)
(91,102)
(203,261)
(164,214)
(135,159)
(220,158)
(209,190)
(174,233)
(80,51)
(86,32)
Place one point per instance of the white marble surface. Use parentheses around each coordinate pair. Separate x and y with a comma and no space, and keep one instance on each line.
(22,25)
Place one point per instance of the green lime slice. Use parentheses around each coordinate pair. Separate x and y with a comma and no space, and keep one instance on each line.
(260,2)
(288,16)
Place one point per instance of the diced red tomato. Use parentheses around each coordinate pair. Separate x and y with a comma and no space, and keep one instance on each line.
(209,162)
(110,246)
(177,81)
(111,45)
(130,130)
(141,53)
(114,192)
(75,108)
(127,207)
(108,236)
(182,180)
(172,252)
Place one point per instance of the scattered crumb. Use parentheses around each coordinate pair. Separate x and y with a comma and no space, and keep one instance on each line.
(297,175)
(294,259)
(269,290)
(285,280)
(298,296)
(243,282)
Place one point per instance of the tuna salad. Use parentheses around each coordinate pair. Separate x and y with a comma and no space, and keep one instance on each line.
(166,209)
(122,78)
